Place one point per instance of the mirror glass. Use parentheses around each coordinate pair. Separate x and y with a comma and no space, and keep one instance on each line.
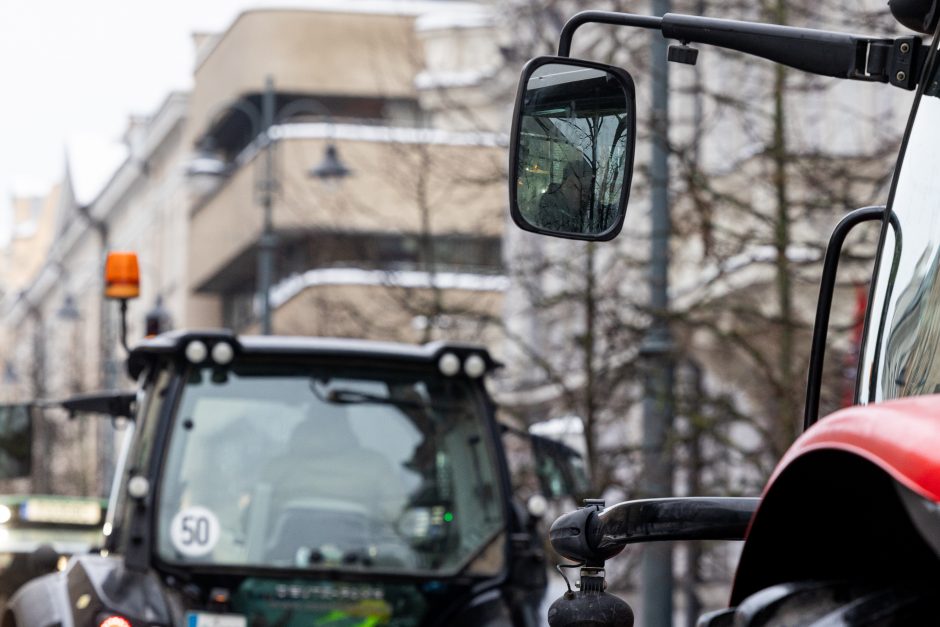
(16,430)
(574,150)
(560,469)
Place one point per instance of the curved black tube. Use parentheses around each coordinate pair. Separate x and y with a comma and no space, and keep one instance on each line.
(602,17)
(592,536)
(689,518)
(827,284)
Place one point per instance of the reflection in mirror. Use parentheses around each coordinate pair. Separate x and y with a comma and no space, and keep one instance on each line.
(574,151)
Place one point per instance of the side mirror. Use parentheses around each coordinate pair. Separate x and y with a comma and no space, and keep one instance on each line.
(560,469)
(571,157)
(16,440)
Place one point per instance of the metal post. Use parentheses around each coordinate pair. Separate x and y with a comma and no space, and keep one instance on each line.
(658,403)
(42,480)
(109,370)
(268,240)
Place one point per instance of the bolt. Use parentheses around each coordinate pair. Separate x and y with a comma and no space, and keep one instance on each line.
(901,76)
(905,48)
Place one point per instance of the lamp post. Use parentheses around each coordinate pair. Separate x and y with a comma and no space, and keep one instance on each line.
(658,347)
(262,121)
(41,481)
(107,363)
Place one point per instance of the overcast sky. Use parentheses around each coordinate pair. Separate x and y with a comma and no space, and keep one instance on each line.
(74,70)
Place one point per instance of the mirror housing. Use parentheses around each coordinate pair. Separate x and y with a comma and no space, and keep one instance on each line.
(572,148)
(918,15)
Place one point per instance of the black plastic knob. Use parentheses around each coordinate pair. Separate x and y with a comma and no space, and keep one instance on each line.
(683,54)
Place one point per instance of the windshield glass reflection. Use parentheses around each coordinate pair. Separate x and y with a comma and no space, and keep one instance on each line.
(902,356)
(312,467)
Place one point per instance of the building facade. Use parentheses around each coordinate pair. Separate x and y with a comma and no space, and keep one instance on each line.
(405,246)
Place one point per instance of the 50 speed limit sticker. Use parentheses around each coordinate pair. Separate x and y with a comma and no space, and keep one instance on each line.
(194,531)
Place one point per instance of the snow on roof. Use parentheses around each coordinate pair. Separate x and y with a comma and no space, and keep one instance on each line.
(294,285)
(753,256)
(558,427)
(479,16)
(92,160)
(435,79)
(446,9)
(413,8)
(389,134)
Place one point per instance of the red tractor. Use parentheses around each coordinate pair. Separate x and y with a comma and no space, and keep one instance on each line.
(847,530)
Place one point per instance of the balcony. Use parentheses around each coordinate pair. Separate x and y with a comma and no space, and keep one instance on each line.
(416,199)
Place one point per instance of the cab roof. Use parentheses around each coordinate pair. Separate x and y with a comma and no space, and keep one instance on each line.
(175,342)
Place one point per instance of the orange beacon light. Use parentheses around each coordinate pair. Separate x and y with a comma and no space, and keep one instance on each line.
(121,276)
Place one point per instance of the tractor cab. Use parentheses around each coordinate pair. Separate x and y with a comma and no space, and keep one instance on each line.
(284,481)
(296,481)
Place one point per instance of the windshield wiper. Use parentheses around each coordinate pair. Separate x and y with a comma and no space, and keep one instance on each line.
(341,396)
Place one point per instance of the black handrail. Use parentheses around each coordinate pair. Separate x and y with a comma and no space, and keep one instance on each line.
(827,284)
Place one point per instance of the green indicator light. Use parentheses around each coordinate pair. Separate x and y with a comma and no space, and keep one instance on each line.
(448,517)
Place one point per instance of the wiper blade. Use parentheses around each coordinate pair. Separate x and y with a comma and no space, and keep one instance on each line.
(345,396)
(350,397)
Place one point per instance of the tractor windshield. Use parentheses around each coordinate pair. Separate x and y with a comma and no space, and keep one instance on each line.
(902,351)
(307,467)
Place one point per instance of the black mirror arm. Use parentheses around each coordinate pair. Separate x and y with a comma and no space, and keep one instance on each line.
(593,535)
(826,53)
(112,403)
(602,17)
(824,305)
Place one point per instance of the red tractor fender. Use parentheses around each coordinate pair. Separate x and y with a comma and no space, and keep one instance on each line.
(901,437)
(838,505)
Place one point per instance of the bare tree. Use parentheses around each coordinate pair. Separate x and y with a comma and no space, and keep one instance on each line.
(765,161)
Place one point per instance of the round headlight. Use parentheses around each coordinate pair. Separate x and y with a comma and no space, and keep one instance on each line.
(5,514)
(474,367)
(223,353)
(537,506)
(449,364)
(196,352)
(138,487)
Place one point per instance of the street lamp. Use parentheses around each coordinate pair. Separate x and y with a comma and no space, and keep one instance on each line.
(208,163)
(68,311)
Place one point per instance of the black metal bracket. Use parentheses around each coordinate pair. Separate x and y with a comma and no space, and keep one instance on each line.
(826,53)
(895,61)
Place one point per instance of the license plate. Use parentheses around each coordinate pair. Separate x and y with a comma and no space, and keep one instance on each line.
(204,619)
(61,511)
